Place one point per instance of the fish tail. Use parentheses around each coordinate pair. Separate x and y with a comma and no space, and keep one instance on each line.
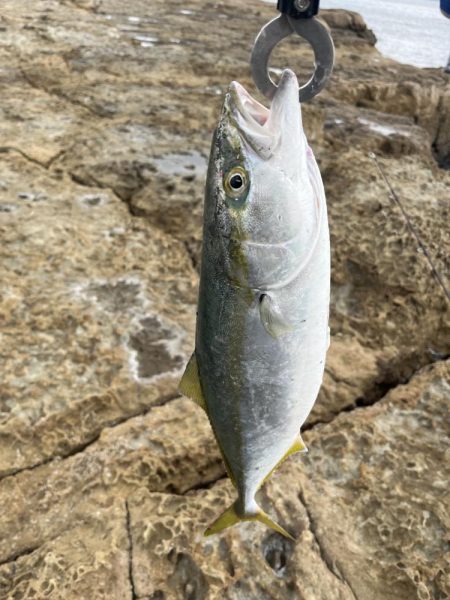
(230,517)
(263,517)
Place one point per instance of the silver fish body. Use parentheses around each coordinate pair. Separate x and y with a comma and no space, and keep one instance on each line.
(262,324)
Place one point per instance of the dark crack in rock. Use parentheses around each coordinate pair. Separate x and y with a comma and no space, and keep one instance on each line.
(277,551)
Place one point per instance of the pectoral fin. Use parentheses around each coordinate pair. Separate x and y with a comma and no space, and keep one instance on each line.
(190,385)
(271,317)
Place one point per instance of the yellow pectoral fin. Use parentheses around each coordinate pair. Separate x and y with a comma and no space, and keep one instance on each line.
(190,385)
(297,446)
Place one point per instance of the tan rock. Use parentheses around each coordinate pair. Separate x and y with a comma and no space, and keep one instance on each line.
(442,140)
(245,562)
(347,23)
(90,558)
(375,482)
(171,449)
(350,373)
(365,527)
(90,337)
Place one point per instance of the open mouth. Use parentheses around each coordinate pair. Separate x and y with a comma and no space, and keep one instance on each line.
(261,127)
(252,120)
(247,107)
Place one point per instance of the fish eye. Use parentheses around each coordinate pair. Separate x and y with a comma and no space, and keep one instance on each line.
(235,182)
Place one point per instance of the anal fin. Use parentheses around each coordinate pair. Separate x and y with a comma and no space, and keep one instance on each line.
(297,446)
(190,384)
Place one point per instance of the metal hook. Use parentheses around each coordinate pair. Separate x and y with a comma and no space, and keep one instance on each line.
(312,30)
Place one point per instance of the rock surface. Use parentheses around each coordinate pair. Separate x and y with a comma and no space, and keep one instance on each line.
(107,477)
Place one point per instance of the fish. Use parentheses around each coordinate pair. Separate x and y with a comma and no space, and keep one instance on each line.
(262,322)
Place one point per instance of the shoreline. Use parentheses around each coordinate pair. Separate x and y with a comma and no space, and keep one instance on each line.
(390,41)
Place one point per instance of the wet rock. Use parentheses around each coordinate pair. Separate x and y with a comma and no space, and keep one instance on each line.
(374,131)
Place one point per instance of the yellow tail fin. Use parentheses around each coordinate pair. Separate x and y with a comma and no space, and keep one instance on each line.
(230,517)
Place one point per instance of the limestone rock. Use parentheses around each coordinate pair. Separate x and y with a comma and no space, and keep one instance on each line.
(89,558)
(385,526)
(365,528)
(83,320)
(348,23)
(170,449)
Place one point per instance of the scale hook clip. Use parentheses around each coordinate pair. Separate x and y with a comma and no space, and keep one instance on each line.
(297,16)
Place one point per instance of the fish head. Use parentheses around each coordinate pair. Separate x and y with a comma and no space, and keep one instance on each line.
(260,208)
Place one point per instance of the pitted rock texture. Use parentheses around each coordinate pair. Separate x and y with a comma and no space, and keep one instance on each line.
(364,527)
(107,477)
(76,292)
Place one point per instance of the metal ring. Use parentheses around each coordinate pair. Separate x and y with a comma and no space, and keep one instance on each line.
(276,30)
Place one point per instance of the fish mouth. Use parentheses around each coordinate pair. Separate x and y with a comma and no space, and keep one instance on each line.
(259,126)
(245,108)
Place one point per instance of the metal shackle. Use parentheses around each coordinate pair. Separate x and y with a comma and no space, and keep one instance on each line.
(312,30)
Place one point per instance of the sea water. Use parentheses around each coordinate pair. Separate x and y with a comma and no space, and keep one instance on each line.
(409,31)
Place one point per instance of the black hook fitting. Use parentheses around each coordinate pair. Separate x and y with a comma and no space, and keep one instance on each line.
(299,9)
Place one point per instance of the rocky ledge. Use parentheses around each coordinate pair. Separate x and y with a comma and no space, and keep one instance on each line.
(107,476)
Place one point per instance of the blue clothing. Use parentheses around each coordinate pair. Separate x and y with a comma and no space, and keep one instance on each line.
(445,7)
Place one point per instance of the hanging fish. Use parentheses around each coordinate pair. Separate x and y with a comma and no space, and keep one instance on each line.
(262,324)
